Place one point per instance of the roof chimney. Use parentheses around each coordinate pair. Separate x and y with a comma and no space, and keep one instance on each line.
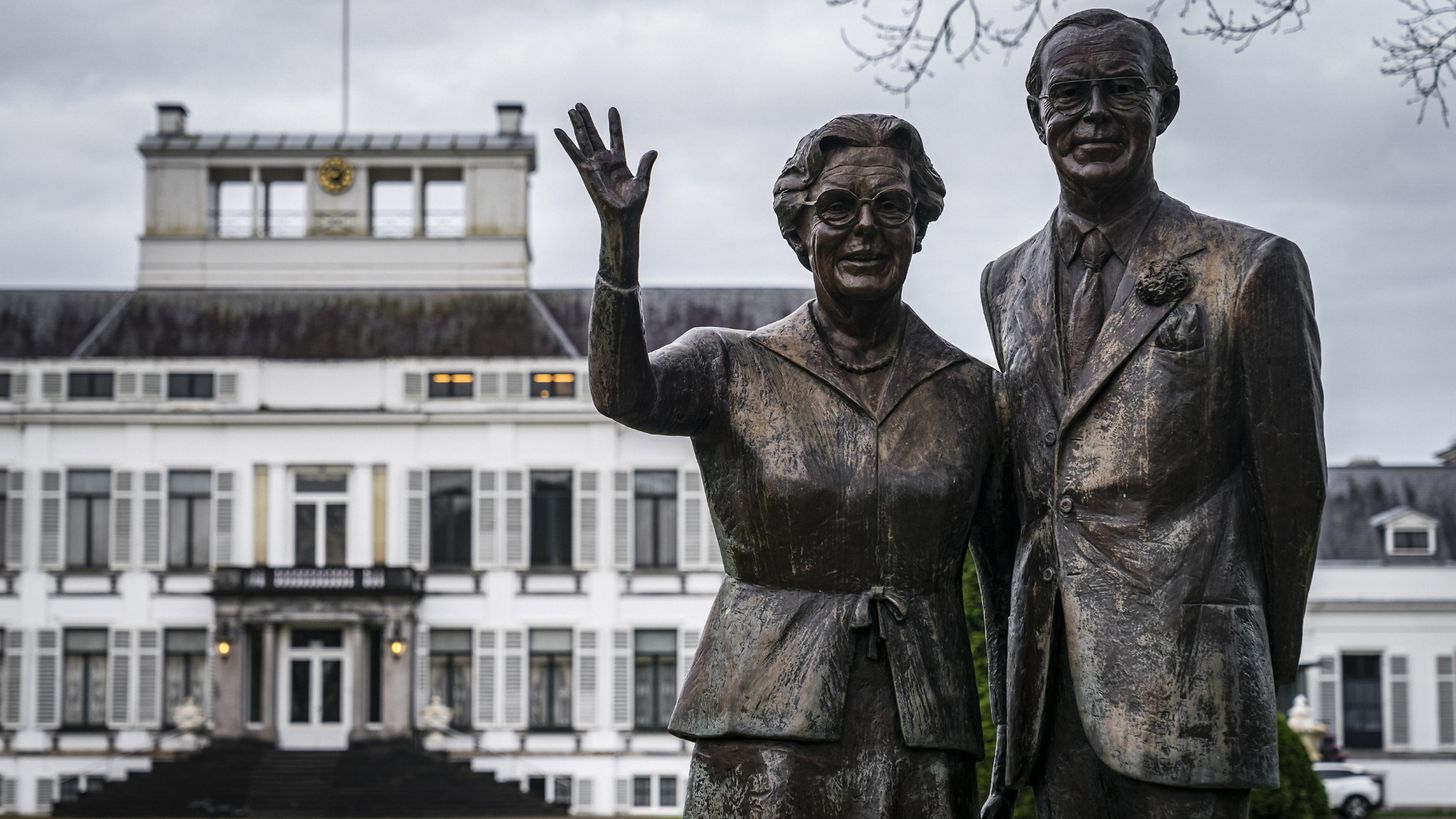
(171,118)
(510,115)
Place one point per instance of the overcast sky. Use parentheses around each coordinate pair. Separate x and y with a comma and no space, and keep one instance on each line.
(1299,135)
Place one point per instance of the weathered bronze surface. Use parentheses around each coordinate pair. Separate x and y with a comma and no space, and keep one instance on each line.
(849,456)
(1169,488)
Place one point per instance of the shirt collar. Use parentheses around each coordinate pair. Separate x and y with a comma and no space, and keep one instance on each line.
(1121,233)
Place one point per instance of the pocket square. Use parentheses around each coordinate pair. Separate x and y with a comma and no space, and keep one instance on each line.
(1182,330)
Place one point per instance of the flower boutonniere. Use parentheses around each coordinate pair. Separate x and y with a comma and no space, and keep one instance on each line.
(1164,280)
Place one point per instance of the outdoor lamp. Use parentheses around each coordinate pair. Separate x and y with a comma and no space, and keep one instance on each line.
(224,642)
(396,642)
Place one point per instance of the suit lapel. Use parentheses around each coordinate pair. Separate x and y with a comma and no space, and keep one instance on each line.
(922,354)
(1036,311)
(1167,236)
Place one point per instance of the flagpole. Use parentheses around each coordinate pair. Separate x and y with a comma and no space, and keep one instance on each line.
(346,66)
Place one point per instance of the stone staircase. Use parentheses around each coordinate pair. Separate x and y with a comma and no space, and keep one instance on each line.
(257,779)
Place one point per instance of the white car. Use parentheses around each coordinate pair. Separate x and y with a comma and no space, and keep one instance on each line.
(1353,792)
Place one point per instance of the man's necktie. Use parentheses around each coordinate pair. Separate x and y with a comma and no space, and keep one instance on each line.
(1084,318)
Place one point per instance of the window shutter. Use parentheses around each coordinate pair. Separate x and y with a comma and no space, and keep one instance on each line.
(209,677)
(1446,699)
(415,523)
(515,498)
(51,386)
(1399,700)
(45,794)
(586,516)
(622,520)
(7,795)
(487,540)
(13,682)
(485,678)
(582,795)
(489,386)
(121,520)
(50,520)
(624,793)
(515,693)
(127,388)
(48,678)
(222,498)
(1328,685)
(227,387)
(693,556)
(20,387)
(414,386)
(586,678)
(622,679)
(149,678)
(152,386)
(422,673)
(118,674)
(154,557)
(515,385)
(690,640)
(15,521)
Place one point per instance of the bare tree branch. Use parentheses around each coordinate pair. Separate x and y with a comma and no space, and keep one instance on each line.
(1424,56)
(918,33)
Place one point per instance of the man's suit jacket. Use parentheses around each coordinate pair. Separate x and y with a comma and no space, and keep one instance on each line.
(833,517)
(1170,500)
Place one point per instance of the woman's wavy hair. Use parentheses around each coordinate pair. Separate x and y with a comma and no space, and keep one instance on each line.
(855,131)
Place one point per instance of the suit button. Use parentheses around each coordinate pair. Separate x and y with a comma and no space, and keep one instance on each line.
(1065,504)
(1049,438)
(1048,573)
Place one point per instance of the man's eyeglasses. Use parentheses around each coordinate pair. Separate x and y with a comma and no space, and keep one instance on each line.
(841,208)
(1121,93)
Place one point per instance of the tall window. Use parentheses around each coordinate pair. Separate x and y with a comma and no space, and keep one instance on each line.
(189,385)
(4,515)
(88,516)
(189,522)
(1360,682)
(450,519)
(655,498)
(84,684)
(254,637)
(374,637)
(450,672)
(320,513)
(550,519)
(4,386)
(186,654)
(550,679)
(89,385)
(656,678)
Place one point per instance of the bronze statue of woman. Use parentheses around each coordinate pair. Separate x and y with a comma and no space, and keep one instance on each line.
(849,456)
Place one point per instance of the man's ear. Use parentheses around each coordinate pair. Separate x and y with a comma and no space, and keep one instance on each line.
(799,249)
(1033,108)
(1167,109)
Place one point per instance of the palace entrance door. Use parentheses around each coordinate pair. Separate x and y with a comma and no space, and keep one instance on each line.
(315,698)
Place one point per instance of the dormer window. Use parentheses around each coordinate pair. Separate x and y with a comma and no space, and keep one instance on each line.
(1406,532)
(84,385)
(553,385)
(190,386)
(452,385)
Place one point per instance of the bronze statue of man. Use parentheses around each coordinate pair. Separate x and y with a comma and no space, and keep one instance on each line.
(1162,374)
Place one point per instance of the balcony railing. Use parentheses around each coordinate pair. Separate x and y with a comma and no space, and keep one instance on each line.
(235,582)
(237,223)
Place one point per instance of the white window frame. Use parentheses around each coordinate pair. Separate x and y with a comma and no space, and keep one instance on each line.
(1406,520)
(320,501)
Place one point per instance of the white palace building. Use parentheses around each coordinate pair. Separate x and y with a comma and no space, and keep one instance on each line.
(334,460)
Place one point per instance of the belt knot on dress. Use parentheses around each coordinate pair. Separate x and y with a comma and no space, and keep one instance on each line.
(869,614)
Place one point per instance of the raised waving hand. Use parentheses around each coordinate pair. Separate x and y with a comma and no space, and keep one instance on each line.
(619,196)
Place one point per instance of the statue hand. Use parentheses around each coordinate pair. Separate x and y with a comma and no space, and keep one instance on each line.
(999,806)
(618,195)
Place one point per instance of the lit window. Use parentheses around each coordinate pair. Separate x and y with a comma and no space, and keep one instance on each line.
(89,385)
(452,385)
(553,385)
(189,385)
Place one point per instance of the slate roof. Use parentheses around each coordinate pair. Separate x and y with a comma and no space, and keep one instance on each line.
(331,143)
(349,324)
(1358,493)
